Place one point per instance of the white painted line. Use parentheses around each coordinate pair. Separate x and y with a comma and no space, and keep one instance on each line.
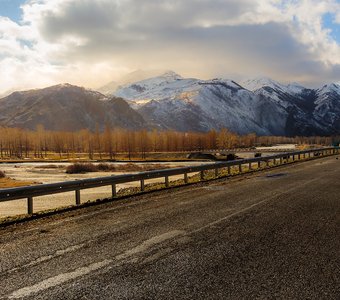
(57,280)
(46,258)
(149,243)
(64,277)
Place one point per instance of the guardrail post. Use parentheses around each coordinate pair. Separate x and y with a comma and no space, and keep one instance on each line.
(267,162)
(309,154)
(77,197)
(202,175)
(30,205)
(259,164)
(240,168)
(167,181)
(186,178)
(114,190)
(216,172)
(229,170)
(299,156)
(281,160)
(250,166)
(142,185)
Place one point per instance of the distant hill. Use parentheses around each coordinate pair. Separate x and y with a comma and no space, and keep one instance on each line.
(68,108)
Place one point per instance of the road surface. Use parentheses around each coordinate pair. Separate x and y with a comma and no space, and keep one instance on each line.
(269,235)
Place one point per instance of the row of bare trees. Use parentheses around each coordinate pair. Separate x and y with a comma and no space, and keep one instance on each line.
(20,143)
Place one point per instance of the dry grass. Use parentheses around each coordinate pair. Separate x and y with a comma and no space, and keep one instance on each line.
(6,183)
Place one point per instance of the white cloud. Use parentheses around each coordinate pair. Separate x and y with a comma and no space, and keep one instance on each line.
(89,42)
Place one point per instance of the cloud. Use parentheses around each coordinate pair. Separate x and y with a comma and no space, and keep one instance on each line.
(90,42)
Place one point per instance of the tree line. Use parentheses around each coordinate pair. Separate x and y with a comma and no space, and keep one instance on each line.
(41,143)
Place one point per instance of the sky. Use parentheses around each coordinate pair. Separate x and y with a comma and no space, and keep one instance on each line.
(93,42)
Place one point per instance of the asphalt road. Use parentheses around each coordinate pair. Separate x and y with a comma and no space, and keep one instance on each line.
(269,235)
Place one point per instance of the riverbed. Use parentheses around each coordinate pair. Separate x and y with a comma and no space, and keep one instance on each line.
(43,173)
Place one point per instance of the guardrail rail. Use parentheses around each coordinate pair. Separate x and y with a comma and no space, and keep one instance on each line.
(30,192)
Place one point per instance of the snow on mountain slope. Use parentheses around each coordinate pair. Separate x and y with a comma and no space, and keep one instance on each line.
(183,104)
(135,76)
(260,82)
(156,88)
(297,101)
(327,107)
(263,82)
(263,105)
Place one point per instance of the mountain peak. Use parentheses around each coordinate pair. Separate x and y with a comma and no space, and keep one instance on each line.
(64,86)
(171,75)
(260,82)
(332,87)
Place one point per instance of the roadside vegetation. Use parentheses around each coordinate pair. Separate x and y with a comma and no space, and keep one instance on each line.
(7,182)
(78,168)
(50,167)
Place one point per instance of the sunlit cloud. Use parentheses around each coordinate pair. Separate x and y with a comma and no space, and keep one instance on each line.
(91,42)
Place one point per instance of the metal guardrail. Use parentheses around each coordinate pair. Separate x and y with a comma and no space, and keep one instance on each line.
(48,189)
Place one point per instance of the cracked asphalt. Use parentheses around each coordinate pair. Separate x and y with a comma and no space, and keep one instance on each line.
(269,235)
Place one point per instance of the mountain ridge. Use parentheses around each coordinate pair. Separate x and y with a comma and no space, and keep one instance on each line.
(243,108)
(68,108)
(170,101)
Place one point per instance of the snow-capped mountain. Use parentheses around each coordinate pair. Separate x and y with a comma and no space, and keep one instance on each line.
(327,107)
(169,101)
(261,105)
(134,76)
(173,102)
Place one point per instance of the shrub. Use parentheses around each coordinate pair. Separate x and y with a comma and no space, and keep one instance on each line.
(2,174)
(106,167)
(81,168)
(49,167)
